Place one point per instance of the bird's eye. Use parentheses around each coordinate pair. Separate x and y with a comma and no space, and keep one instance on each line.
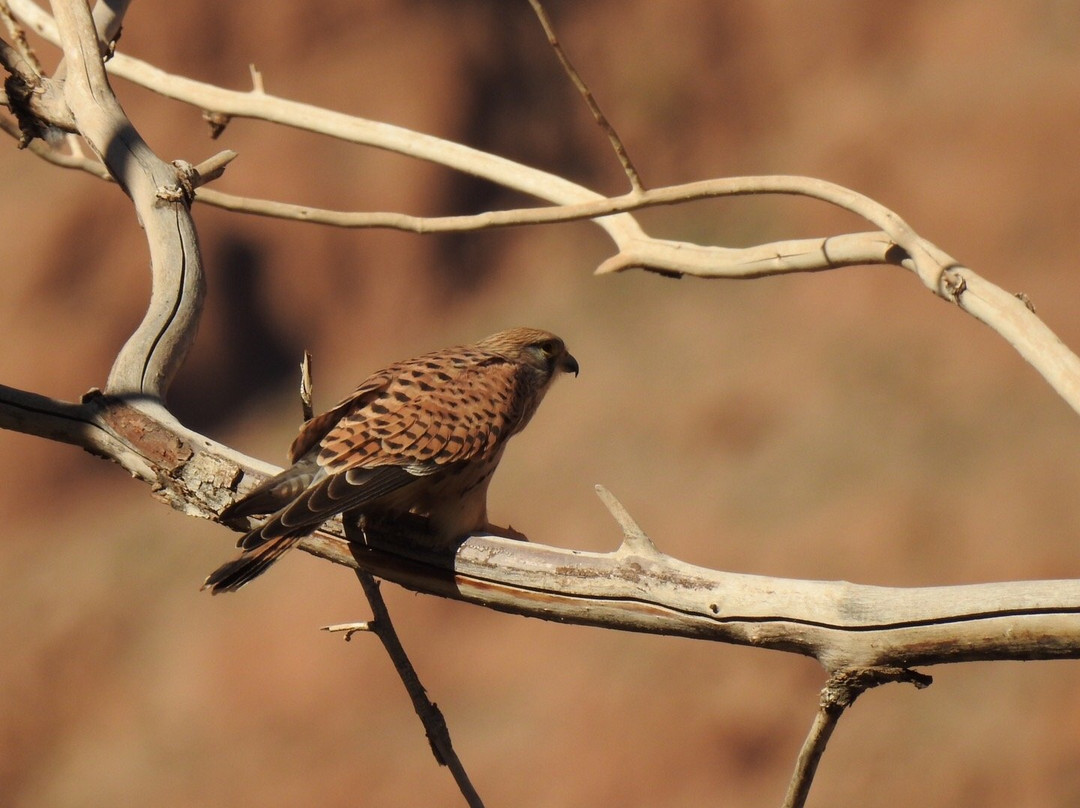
(547,347)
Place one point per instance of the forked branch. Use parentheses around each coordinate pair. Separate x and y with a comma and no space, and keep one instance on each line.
(839,693)
(895,244)
(150,359)
(862,635)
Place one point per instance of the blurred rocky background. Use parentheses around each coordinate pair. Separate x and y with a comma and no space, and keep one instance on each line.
(837,425)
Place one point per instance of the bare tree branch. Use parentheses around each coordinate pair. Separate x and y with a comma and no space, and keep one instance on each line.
(151,357)
(431,716)
(839,693)
(938,272)
(862,635)
(842,625)
(586,94)
(260,105)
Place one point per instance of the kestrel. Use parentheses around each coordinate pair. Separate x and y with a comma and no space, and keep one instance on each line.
(421,436)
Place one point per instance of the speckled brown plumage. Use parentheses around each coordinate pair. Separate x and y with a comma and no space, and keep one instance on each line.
(421,436)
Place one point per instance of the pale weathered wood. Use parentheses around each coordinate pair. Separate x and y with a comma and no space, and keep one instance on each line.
(842,625)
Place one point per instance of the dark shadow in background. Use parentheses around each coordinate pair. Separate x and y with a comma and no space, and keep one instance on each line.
(514,87)
(247,357)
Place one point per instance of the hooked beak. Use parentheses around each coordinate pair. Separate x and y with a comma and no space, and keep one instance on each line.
(568,364)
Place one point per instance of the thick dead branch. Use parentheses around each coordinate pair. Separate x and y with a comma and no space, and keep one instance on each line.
(635,588)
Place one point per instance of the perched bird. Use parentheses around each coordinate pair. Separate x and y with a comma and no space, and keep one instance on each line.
(421,436)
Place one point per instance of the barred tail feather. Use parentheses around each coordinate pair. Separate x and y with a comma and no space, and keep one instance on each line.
(232,575)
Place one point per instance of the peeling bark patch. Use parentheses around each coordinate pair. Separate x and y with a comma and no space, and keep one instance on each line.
(151,439)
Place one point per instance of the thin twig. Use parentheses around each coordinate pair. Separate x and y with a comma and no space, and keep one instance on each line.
(257,85)
(683,193)
(434,723)
(810,755)
(212,168)
(305,387)
(635,540)
(349,629)
(583,89)
(839,693)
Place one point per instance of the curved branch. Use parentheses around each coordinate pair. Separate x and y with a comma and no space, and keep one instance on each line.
(1012,317)
(150,359)
(260,105)
(896,244)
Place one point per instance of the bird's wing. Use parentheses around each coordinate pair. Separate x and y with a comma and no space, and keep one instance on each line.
(437,410)
(328,496)
(404,423)
(315,429)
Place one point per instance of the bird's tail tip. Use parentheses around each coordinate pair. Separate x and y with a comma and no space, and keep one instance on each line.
(230,576)
(234,574)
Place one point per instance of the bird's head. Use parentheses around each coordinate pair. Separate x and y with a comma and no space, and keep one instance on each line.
(538,349)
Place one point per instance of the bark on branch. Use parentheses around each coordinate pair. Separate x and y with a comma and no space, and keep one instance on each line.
(148,362)
(862,635)
(1010,315)
(635,587)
